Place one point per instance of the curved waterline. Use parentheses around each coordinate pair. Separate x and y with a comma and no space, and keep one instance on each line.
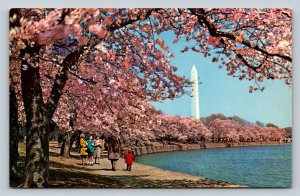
(259,166)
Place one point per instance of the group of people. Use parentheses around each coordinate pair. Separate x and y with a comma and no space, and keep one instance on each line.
(91,150)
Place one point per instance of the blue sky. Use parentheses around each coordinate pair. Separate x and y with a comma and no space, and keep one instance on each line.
(224,94)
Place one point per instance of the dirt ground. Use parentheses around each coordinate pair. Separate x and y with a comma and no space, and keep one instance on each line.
(69,173)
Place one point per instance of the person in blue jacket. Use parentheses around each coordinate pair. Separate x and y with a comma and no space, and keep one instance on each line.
(90,150)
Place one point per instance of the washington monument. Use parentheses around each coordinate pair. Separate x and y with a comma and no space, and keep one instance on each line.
(195,93)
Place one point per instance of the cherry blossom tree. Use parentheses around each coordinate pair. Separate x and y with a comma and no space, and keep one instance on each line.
(225,129)
(229,130)
(107,62)
(273,133)
(179,129)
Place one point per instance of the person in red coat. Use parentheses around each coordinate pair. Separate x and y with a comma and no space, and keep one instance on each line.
(129,157)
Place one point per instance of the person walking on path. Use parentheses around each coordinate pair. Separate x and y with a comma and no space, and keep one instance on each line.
(90,146)
(83,148)
(98,148)
(129,157)
(114,148)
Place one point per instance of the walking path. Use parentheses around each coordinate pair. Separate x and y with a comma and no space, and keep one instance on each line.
(68,172)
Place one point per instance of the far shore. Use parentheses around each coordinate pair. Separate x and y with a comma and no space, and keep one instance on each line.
(156,147)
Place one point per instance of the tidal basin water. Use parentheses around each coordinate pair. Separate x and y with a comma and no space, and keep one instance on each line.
(260,166)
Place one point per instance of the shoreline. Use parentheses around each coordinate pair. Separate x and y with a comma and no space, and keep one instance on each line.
(63,170)
(141,176)
(160,148)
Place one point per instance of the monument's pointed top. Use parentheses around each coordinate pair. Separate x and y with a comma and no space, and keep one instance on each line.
(194,68)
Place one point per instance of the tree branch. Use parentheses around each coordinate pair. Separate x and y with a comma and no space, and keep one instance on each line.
(60,81)
(247,64)
(214,32)
(89,80)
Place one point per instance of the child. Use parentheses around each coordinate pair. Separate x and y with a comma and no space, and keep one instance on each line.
(129,157)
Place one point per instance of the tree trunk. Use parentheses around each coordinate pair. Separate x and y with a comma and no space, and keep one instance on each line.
(53,131)
(65,147)
(68,142)
(76,139)
(37,142)
(13,137)
(38,115)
